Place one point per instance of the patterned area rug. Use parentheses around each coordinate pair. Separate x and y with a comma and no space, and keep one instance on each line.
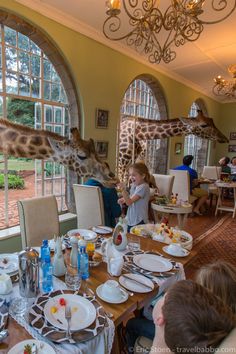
(219,242)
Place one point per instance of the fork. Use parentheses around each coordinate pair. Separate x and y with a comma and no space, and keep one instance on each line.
(68,318)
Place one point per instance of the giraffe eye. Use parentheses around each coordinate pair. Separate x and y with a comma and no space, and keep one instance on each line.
(82,157)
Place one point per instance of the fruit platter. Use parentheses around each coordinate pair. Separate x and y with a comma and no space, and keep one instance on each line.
(164,233)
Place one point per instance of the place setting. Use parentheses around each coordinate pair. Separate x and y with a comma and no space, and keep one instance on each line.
(49,318)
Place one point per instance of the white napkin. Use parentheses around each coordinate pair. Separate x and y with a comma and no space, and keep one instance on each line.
(115,260)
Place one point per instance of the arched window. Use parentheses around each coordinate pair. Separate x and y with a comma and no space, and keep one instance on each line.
(144,99)
(194,145)
(31,93)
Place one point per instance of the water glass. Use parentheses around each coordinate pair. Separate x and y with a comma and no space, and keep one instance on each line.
(72,278)
(18,306)
(133,243)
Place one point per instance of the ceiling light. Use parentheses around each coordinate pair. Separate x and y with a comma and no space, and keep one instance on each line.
(224,87)
(144,23)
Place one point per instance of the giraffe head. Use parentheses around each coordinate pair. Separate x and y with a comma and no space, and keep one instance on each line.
(80,156)
(204,127)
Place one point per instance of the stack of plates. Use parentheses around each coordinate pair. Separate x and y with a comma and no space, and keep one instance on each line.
(9,264)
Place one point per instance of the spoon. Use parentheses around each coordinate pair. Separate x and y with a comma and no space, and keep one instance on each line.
(3,334)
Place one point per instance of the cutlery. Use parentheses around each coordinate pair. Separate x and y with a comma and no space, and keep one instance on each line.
(3,334)
(34,349)
(130,293)
(102,229)
(137,282)
(68,318)
(108,314)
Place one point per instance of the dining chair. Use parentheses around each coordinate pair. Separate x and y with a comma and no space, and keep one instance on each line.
(89,206)
(164,184)
(39,219)
(211,172)
(181,185)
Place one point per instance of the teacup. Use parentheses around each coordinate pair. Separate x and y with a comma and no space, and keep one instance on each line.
(176,248)
(5,284)
(111,290)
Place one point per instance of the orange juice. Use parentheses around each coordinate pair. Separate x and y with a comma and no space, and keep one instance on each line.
(90,248)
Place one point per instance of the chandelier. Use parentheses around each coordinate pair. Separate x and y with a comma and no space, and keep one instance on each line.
(144,22)
(224,87)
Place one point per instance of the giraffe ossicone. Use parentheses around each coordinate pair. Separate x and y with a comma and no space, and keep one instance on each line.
(134,131)
(77,154)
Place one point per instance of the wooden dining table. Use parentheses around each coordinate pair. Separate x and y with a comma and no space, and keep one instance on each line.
(99,275)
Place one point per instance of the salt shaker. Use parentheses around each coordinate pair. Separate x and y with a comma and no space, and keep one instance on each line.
(74,252)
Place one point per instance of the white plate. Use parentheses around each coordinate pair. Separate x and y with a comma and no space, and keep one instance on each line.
(12,264)
(83,312)
(51,244)
(133,286)
(171,253)
(87,235)
(152,262)
(102,230)
(124,296)
(19,347)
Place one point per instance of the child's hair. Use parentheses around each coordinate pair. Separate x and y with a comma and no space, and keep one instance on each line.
(196,321)
(220,279)
(142,169)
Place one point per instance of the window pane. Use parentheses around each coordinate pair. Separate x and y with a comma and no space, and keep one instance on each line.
(35,65)
(58,129)
(47,68)
(20,111)
(48,114)
(11,58)
(55,77)
(0,80)
(1,107)
(47,90)
(35,87)
(34,48)
(10,36)
(11,83)
(24,85)
(55,92)
(23,62)
(49,127)
(63,97)
(37,112)
(23,42)
(58,115)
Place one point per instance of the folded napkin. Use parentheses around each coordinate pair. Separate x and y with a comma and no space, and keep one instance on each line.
(4,312)
(115,260)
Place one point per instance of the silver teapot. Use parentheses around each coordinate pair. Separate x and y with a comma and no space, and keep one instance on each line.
(29,272)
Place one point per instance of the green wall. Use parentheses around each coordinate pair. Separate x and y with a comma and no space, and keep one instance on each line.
(102,76)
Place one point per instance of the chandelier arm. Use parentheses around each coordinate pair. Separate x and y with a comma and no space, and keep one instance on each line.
(221,19)
(134,18)
(112,30)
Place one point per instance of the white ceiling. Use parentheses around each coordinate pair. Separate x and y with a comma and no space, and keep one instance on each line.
(196,63)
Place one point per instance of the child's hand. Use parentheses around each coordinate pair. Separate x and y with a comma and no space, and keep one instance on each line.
(121,185)
(121,201)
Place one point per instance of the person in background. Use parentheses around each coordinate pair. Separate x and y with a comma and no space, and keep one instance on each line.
(112,209)
(223,162)
(190,319)
(200,193)
(232,166)
(138,198)
(220,278)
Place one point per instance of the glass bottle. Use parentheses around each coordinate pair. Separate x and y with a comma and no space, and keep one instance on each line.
(83,263)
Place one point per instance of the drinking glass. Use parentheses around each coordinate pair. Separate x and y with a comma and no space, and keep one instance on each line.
(18,306)
(133,243)
(72,278)
(90,248)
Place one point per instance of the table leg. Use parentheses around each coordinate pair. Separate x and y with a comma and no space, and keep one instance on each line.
(180,218)
(219,202)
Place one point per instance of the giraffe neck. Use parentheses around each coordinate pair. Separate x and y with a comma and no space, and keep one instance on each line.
(160,129)
(19,141)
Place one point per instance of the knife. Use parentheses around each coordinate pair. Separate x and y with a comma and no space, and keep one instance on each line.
(137,282)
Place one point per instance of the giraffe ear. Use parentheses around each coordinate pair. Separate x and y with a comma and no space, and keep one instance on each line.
(76,138)
(92,146)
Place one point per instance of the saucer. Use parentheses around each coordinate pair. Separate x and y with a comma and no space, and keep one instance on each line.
(42,347)
(124,296)
(185,252)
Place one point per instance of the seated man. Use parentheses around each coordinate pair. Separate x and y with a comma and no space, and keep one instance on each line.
(200,193)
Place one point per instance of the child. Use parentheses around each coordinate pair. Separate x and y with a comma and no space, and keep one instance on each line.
(137,200)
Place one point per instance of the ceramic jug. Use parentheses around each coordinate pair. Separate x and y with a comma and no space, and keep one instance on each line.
(59,267)
(120,235)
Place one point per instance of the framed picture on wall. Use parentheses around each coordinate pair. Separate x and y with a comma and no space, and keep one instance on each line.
(232,148)
(101,120)
(102,148)
(232,136)
(178,148)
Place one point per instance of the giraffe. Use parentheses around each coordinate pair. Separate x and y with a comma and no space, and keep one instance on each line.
(77,154)
(139,130)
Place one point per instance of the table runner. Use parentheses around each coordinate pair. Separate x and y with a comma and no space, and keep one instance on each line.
(101,344)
